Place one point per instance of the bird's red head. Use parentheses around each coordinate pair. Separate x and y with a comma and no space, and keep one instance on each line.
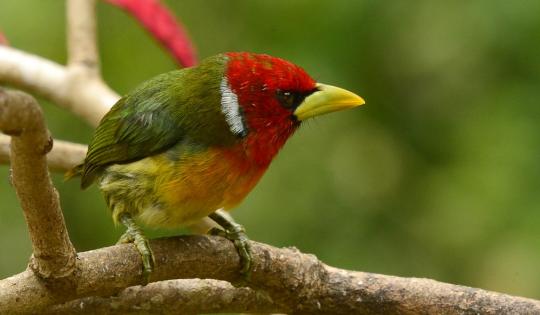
(264,98)
(268,89)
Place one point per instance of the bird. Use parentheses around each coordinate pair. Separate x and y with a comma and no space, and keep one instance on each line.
(189,142)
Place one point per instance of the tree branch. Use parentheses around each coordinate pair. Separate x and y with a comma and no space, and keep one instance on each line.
(81,38)
(90,99)
(183,296)
(22,118)
(63,156)
(296,282)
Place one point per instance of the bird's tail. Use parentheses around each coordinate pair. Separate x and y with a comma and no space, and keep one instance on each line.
(76,171)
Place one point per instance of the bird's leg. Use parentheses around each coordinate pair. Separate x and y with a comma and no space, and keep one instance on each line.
(237,234)
(134,235)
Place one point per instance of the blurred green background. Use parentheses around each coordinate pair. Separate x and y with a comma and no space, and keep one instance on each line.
(435,177)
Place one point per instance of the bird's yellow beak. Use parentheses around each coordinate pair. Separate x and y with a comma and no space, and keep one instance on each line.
(326,100)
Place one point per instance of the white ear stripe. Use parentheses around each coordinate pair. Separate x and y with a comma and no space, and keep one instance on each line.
(231,109)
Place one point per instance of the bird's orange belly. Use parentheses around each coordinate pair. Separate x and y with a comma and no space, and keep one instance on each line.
(200,183)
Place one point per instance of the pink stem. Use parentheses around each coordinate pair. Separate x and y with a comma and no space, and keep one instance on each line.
(162,24)
(3,39)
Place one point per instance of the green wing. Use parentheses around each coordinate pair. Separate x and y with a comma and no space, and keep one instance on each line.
(171,107)
(139,125)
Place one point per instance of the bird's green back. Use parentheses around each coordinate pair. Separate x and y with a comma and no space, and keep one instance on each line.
(171,107)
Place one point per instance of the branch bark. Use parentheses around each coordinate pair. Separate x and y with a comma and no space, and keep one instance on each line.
(183,296)
(297,283)
(22,118)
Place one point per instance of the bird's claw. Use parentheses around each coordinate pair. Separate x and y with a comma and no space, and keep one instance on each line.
(135,236)
(237,235)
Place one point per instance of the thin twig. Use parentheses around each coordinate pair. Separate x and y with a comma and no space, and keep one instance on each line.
(63,156)
(81,37)
(22,118)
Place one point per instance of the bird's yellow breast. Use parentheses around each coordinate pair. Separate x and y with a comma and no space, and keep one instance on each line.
(185,188)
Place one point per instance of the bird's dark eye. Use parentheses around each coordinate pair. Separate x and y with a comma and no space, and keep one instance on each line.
(291,99)
(285,98)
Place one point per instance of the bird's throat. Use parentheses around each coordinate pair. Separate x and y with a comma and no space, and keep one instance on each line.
(262,146)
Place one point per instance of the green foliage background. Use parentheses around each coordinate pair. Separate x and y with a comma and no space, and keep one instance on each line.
(435,177)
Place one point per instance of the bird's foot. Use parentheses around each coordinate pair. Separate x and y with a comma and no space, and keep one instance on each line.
(134,235)
(237,234)
(241,242)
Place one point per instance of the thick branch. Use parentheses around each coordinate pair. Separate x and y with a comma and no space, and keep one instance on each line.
(296,282)
(22,118)
(63,156)
(184,296)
